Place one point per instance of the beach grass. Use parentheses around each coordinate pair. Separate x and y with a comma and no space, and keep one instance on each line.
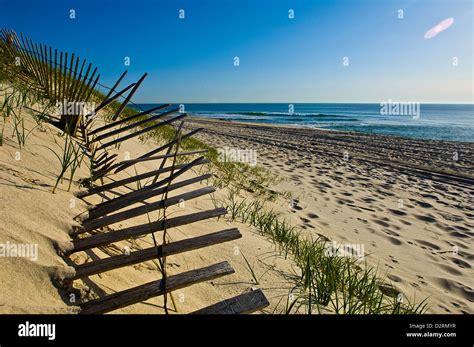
(16,97)
(325,282)
(70,157)
(251,270)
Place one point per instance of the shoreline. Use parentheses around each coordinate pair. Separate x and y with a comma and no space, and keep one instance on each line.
(466,170)
(290,126)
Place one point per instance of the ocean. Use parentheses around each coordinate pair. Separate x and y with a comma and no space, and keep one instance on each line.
(451,122)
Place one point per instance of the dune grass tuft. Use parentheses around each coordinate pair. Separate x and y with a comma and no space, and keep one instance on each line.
(325,283)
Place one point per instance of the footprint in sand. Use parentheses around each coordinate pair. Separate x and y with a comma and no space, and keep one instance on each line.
(452,217)
(440,187)
(430,196)
(461,263)
(450,269)
(368,200)
(381,222)
(296,178)
(464,229)
(455,304)
(397,212)
(305,220)
(458,234)
(389,290)
(424,204)
(391,233)
(394,241)
(395,278)
(452,286)
(428,244)
(444,227)
(467,255)
(426,218)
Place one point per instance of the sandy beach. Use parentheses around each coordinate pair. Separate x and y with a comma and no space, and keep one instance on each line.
(406,201)
(32,215)
(403,201)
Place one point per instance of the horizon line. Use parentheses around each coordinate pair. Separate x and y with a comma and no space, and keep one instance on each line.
(288,103)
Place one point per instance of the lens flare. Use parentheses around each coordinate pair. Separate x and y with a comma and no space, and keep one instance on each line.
(442,26)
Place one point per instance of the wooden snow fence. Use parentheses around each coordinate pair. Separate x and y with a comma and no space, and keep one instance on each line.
(133,204)
(62,77)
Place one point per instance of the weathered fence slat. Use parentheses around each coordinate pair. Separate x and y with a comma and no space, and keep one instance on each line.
(142,229)
(102,156)
(104,161)
(129,96)
(140,210)
(112,90)
(28,56)
(51,74)
(83,84)
(243,303)
(146,291)
(142,131)
(75,80)
(133,125)
(124,120)
(87,86)
(174,175)
(163,156)
(119,261)
(131,179)
(108,208)
(89,93)
(157,150)
(106,102)
(101,172)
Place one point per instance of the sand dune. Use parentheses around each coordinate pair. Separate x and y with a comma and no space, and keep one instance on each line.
(31,214)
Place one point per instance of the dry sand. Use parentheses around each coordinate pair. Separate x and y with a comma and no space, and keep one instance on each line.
(353,201)
(31,214)
(407,202)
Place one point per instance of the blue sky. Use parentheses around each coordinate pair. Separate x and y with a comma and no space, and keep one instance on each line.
(281,59)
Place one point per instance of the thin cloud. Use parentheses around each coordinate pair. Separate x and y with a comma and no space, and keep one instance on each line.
(442,26)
